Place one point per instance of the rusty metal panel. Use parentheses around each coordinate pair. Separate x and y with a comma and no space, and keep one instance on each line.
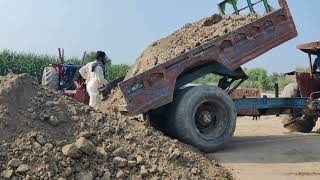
(155,87)
(310,48)
(304,83)
(246,93)
(308,85)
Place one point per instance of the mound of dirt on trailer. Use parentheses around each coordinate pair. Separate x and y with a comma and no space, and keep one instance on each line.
(188,37)
(45,135)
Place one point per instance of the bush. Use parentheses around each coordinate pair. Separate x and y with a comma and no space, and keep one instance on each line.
(208,79)
(115,71)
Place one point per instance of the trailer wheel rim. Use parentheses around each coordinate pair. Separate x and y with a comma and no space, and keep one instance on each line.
(209,120)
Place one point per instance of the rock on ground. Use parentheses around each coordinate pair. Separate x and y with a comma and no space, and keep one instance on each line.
(7,174)
(14,163)
(85,146)
(23,168)
(32,148)
(70,150)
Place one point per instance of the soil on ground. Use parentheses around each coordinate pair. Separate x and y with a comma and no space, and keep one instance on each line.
(262,149)
(45,135)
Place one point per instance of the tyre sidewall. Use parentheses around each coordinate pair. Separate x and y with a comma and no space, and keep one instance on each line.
(186,108)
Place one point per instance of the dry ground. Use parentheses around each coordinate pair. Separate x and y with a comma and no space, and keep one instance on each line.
(264,150)
(45,135)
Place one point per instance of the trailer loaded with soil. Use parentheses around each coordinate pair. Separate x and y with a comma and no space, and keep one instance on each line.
(205,116)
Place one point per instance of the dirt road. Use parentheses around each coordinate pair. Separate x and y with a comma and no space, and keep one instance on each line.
(264,150)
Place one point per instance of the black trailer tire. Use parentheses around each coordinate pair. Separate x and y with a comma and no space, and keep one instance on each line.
(204,117)
(50,78)
(296,121)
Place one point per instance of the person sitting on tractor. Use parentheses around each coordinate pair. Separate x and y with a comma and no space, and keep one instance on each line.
(94,74)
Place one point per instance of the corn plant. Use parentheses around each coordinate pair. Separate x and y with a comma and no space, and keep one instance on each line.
(33,64)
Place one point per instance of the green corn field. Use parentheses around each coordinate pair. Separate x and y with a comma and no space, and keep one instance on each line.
(33,64)
(18,62)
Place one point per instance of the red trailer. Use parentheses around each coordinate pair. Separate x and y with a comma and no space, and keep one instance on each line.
(205,116)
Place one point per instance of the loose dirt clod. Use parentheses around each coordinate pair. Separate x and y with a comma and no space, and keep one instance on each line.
(84,144)
(188,37)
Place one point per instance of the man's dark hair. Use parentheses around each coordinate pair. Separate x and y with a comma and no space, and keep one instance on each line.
(100,54)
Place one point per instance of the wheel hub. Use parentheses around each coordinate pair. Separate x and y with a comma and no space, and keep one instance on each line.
(209,120)
(205,119)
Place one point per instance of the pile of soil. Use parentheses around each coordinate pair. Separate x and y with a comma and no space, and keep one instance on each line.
(45,135)
(188,37)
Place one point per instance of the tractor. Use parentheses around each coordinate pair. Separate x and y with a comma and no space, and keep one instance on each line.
(307,86)
(65,78)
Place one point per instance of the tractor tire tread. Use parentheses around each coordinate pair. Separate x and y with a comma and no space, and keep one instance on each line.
(184,106)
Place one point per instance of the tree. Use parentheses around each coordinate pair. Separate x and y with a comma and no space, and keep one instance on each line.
(208,79)
(115,71)
(275,76)
(260,77)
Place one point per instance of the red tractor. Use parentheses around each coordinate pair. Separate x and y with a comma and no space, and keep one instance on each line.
(307,86)
(66,78)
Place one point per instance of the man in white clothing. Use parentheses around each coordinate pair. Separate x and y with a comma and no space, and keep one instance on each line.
(94,75)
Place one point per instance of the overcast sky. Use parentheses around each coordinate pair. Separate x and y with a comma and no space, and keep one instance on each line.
(123,28)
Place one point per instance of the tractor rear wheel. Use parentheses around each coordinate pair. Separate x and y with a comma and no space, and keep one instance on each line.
(204,117)
(50,78)
(297,121)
